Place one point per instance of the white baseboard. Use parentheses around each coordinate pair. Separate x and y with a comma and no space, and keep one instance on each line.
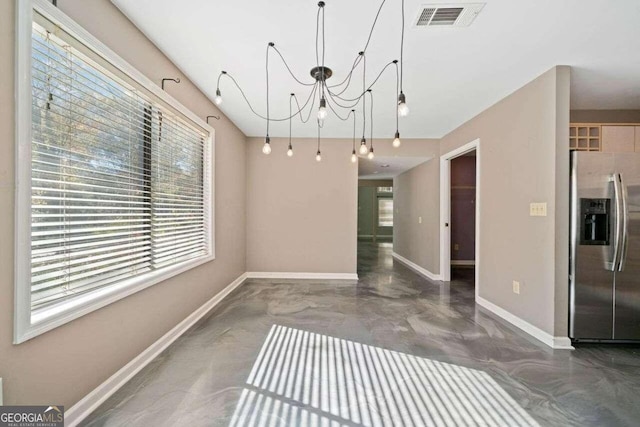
(90,402)
(558,343)
(562,343)
(304,276)
(463,262)
(415,267)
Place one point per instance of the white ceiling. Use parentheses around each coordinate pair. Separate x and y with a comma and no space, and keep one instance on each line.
(451,74)
(387,167)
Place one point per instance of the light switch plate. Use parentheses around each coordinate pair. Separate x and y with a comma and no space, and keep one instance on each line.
(538,209)
(516,287)
(419,220)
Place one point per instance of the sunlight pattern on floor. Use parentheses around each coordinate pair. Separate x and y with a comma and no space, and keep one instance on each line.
(301,378)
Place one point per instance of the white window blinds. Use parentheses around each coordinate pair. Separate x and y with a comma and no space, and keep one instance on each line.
(119,180)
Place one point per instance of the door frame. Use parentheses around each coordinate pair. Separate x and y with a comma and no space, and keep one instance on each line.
(445,210)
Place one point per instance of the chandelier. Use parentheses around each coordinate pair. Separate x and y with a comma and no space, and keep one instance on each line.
(330,95)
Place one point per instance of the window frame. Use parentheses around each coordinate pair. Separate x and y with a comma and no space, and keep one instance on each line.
(24,328)
(378,200)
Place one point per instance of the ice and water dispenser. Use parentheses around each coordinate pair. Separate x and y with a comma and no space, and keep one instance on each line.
(595,221)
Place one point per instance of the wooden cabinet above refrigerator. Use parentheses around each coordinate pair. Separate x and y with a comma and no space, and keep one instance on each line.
(605,137)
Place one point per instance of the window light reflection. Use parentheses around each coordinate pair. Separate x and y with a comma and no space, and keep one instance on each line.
(301,378)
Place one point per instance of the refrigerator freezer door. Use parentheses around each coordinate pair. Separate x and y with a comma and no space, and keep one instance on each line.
(627,281)
(592,290)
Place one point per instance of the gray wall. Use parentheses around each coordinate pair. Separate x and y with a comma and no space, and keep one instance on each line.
(605,116)
(301,214)
(523,159)
(65,364)
(417,195)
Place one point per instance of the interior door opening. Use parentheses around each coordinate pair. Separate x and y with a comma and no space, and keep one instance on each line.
(461,250)
(462,219)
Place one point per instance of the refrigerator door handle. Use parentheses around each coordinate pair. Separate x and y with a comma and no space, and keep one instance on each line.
(617,191)
(625,223)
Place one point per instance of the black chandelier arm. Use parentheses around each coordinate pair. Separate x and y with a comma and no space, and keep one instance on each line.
(402,48)
(395,62)
(367,88)
(317,35)
(311,97)
(364,100)
(356,62)
(290,115)
(374,25)
(269,45)
(371,125)
(289,69)
(354,130)
(347,79)
(337,100)
(237,85)
(222,73)
(344,119)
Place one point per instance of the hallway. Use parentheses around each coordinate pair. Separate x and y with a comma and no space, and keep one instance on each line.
(393,349)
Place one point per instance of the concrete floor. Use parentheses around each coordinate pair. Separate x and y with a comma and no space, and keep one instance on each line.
(390,349)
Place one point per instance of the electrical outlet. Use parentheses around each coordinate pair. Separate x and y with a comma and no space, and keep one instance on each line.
(516,287)
(419,220)
(538,209)
(456,247)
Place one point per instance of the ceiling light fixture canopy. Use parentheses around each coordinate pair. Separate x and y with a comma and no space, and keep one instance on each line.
(331,97)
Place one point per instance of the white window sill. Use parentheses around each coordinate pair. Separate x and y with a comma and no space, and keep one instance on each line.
(46,320)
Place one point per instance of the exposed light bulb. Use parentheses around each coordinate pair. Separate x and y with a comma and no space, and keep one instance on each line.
(266,148)
(322,111)
(396,140)
(370,155)
(363,146)
(218,99)
(403,108)
(290,151)
(354,157)
(318,156)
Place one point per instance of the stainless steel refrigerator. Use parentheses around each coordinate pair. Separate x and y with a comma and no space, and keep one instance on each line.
(605,247)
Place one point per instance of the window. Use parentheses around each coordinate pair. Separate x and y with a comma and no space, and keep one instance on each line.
(385,190)
(119,178)
(385,212)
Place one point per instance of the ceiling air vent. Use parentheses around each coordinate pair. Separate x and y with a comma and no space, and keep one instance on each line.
(448,15)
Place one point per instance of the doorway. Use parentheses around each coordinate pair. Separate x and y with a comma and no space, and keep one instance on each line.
(460,213)
(375,210)
(463,217)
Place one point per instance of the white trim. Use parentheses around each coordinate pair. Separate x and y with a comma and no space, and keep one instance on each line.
(562,343)
(558,343)
(78,307)
(22,224)
(26,324)
(303,276)
(78,412)
(445,210)
(462,262)
(415,267)
(1,396)
(55,15)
